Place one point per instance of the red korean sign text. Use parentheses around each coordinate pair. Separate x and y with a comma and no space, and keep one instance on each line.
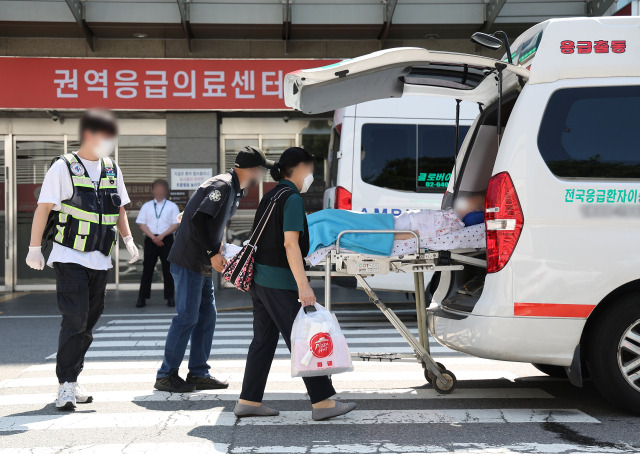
(596,47)
(145,84)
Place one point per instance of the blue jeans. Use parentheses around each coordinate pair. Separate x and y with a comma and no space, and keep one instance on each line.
(196,320)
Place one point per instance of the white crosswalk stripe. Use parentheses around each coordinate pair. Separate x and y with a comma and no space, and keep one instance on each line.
(216,416)
(120,372)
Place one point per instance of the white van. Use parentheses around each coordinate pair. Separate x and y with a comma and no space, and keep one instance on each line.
(393,155)
(561,285)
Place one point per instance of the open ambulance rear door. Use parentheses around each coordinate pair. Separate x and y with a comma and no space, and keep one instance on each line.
(391,73)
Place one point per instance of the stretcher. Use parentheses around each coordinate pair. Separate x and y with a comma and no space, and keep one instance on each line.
(340,262)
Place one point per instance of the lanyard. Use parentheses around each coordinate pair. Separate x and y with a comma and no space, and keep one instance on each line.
(161,210)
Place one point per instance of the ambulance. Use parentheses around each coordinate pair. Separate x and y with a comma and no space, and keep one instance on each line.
(555,151)
(393,155)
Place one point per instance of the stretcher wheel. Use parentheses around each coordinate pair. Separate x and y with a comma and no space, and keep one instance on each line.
(429,376)
(449,386)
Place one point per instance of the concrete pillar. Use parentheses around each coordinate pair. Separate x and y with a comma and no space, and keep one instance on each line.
(192,141)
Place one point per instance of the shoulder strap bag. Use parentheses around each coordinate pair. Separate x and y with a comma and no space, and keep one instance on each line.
(239,270)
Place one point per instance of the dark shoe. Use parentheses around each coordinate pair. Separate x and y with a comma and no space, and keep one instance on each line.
(174,384)
(141,302)
(171,302)
(207,382)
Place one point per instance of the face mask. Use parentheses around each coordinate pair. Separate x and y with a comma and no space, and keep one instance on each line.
(306,184)
(104,148)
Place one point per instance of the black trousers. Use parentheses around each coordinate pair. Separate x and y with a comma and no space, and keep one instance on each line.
(81,293)
(151,253)
(274,311)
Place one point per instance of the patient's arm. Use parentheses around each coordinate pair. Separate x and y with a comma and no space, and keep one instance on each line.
(405,236)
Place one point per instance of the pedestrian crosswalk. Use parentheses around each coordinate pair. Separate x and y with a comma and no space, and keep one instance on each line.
(128,415)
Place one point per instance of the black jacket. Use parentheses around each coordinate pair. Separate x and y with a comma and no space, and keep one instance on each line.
(203,223)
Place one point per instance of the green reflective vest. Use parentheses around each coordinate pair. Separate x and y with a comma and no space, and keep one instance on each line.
(86,221)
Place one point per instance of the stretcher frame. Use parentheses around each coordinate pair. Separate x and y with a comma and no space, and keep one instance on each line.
(341,263)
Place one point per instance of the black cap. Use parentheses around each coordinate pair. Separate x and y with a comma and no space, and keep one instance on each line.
(252,157)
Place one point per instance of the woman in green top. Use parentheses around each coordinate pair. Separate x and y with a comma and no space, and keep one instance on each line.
(281,286)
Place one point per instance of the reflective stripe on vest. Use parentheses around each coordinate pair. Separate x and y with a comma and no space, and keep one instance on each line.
(110,219)
(80,214)
(84,227)
(108,183)
(60,235)
(79,243)
(84,182)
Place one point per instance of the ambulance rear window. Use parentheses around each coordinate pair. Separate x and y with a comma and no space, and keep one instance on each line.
(408,157)
(592,132)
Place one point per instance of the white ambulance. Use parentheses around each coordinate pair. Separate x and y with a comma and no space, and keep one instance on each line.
(555,149)
(393,155)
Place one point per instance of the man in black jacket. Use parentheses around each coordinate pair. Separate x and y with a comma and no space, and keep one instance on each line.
(196,250)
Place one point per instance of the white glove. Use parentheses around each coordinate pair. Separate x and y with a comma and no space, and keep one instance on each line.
(131,247)
(35,259)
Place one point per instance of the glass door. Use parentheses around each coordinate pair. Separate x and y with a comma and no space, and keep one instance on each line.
(33,156)
(5,145)
(142,160)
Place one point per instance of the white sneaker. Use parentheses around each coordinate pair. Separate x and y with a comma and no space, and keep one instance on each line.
(81,395)
(66,396)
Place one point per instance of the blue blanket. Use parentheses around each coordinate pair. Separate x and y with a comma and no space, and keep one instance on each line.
(325,225)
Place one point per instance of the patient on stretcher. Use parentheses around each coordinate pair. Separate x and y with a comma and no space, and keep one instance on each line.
(462,227)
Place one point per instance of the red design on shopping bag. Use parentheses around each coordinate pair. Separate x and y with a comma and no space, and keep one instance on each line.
(321,345)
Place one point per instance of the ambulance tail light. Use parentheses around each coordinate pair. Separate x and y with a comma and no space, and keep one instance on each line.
(343,199)
(503,219)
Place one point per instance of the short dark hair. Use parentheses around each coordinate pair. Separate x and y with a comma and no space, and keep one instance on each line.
(160,181)
(96,120)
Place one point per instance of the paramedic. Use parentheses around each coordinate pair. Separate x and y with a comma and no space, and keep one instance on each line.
(158,219)
(280,286)
(85,195)
(195,251)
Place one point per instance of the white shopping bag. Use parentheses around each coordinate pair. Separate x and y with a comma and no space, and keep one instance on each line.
(318,346)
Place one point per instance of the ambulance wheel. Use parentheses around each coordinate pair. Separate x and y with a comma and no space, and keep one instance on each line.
(613,353)
(430,375)
(551,371)
(448,386)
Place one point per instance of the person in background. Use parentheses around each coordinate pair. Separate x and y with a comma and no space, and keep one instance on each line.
(158,219)
(280,286)
(85,195)
(196,251)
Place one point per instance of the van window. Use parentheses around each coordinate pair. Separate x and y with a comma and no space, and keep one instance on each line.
(591,132)
(436,156)
(405,157)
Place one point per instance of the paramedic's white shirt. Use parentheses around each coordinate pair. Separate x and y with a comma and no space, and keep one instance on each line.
(57,187)
(160,222)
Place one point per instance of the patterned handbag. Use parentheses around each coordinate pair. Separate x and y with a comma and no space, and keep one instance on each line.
(239,270)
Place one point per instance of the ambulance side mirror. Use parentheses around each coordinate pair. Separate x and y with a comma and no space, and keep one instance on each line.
(485,40)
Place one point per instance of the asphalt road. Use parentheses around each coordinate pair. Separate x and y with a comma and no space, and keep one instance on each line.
(497,407)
